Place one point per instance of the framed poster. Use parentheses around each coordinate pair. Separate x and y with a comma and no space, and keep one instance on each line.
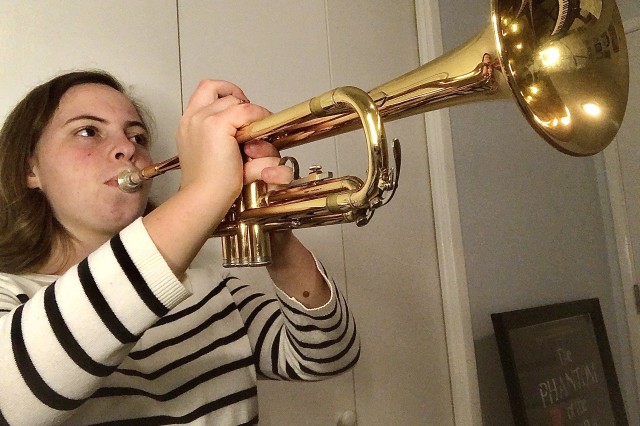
(558,367)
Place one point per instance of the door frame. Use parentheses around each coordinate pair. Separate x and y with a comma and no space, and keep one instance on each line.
(630,324)
(465,394)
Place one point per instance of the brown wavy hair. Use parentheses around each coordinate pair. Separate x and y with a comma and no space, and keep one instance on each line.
(28,227)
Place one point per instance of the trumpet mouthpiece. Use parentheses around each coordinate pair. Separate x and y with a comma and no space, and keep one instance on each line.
(129,180)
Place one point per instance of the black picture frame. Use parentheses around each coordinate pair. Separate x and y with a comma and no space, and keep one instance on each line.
(557,365)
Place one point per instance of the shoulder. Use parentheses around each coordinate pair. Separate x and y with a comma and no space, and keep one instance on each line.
(27,283)
(17,289)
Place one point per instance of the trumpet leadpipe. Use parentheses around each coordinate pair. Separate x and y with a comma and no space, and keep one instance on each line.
(131,180)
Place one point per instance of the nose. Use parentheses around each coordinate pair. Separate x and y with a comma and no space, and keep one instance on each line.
(123,149)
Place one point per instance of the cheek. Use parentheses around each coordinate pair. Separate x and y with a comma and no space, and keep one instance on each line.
(144,159)
(59,173)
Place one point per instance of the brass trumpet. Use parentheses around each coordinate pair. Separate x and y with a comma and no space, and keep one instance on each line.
(565,64)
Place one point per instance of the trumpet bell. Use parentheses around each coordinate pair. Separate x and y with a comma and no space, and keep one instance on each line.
(566,64)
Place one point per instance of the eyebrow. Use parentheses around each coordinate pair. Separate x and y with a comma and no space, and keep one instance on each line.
(130,123)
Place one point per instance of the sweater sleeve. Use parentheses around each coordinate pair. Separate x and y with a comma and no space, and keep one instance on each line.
(57,344)
(292,342)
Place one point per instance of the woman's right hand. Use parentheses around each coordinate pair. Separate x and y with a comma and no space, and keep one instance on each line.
(212,172)
(210,156)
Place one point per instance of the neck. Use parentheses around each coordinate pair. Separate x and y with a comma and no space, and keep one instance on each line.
(69,250)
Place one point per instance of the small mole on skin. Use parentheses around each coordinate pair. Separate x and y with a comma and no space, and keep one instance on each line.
(305,294)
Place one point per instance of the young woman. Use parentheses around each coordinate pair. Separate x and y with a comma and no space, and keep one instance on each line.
(101,319)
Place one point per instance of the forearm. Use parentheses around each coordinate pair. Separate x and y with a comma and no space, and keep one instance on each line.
(57,348)
(294,271)
(294,343)
(181,225)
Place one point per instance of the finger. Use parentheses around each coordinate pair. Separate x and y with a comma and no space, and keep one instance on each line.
(222,104)
(208,91)
(278,175)
(268,170)
(232,118)
(253,168)
(260,148)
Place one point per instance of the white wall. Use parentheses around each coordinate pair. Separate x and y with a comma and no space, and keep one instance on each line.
(533,229)
(629,9)
(42,38)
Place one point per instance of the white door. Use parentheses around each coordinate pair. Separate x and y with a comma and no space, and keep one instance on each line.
(283,52)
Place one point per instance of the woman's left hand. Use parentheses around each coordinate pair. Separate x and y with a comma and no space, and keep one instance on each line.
(293,268)
(263,161)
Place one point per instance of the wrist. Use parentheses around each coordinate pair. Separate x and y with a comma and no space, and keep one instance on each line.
(294,271)
(208,198)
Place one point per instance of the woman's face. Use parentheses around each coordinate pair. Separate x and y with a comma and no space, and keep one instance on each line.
(94,134)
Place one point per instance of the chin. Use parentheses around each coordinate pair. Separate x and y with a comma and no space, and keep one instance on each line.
(120,221)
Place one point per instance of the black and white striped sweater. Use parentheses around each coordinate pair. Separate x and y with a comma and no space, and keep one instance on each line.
(119,340)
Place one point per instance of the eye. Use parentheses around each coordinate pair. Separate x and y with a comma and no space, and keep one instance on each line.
(87,132)
(139,139)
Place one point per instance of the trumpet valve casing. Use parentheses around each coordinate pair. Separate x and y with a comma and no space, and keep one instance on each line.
(250,245)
